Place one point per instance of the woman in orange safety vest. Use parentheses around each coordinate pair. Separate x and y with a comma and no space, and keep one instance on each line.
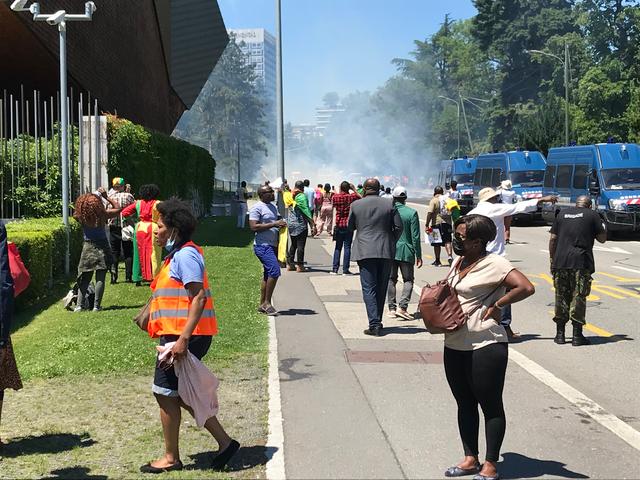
(181,311)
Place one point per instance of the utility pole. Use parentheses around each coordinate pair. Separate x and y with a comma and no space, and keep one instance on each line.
(566,93)
(280,115)
(60,19)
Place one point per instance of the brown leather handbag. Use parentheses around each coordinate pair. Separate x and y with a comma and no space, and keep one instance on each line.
(142,318)
(439,305)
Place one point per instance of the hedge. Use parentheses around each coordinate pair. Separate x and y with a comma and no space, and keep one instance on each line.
(143,156)
(42,244)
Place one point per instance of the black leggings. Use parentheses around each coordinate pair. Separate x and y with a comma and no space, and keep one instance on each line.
(477,377)
(298,243)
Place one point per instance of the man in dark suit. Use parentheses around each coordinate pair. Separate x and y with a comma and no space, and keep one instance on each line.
(378,226)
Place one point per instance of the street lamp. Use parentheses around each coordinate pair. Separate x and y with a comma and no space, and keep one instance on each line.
(60,19)
(457,105)
(565,64)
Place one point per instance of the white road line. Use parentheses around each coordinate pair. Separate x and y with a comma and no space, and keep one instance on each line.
(584,403)
(545,251)
(275,440)
(626,269)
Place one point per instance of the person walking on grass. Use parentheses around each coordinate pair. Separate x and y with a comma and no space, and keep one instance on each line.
(182,312)
(299,219)
(266,223)
(408,252)
(438,218)
(121,245)
(572,264)
(341,235)
(378,226)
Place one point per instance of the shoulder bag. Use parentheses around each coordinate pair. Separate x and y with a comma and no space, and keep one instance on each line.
(440,308)
(142,318)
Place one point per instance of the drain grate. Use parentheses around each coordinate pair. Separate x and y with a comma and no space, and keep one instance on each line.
(363,356)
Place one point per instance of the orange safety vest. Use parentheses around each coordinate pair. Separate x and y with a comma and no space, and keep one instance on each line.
(170,304)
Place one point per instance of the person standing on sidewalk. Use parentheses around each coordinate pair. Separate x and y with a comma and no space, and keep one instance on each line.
(489,207)
(310,194)
(341,235)
(325,218)
(266,223)
(408,252)
(508,197)
(241,199)
(437,217)
(299,218)
(120,245)
(379,227)
(572,264)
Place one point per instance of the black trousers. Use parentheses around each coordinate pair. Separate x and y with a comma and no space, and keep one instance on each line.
(298,242)
(120,247)
(477,377)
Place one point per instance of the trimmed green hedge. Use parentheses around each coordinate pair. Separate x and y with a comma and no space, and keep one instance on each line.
(177,167)
(41,243)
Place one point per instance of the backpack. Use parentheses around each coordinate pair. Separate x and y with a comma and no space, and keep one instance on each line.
(71,298)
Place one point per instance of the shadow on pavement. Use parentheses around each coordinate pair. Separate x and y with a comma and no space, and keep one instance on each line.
(246,458)
(404,330)
(296,311)
(49,443)
(74,472)
(286,367)
(612,339)
(515,465)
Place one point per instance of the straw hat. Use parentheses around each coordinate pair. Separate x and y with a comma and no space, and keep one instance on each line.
(506,184)
(487,194)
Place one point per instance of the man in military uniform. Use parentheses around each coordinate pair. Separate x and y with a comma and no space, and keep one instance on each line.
(571,248)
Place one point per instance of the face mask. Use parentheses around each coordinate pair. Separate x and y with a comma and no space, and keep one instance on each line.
(458,246)
(171,243)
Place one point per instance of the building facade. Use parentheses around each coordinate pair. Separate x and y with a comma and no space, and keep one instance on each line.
(260,48)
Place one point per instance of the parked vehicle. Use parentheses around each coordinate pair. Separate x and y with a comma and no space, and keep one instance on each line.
(525,170)
(462,170)
(608,172)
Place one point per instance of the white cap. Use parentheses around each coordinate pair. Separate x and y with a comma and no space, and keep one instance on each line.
(506,185)
(399,192)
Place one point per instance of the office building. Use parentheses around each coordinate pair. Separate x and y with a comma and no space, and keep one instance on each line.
(260,48)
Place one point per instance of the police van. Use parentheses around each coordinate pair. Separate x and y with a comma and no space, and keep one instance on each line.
(462,170)
(525,170)
(608,172)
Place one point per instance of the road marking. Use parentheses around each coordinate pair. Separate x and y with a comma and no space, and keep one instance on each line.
(275,440)
(600,289)
(549,280)
(545,251)
(578,399)
(619,278)
(598,331)
(627,269)
(611,249)
(622,291)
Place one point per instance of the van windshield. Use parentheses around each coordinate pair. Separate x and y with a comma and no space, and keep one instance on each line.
(464,178)
(621,178)
(528,178)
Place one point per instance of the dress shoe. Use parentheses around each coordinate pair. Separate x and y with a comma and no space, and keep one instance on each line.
(374,331)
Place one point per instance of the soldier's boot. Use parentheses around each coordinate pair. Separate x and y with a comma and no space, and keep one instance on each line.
(578,338)
(560,338)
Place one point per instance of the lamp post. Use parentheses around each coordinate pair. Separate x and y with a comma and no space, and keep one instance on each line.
(457,105)
(60,19)
(279,109)
(565,64)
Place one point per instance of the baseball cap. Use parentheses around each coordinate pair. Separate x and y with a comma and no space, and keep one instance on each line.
(117,181)
(487,194)
(399,192)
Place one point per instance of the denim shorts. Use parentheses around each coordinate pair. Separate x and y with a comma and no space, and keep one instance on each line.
(267,254)
(165,382)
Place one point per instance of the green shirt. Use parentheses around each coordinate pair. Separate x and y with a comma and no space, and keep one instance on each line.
(408,245)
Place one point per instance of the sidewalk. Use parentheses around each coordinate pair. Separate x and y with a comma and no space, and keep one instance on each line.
(360,407)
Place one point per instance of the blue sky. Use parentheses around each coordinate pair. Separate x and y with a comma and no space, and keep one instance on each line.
(340,45)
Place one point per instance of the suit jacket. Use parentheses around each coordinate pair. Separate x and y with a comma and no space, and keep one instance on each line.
(378,227)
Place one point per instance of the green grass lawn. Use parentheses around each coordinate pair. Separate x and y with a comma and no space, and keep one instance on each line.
(56,342)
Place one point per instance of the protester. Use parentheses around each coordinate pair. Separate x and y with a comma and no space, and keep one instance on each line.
(241,199)
(475,355)
(299,219)
(453,192)
(121,245)
(341,234)
(408,252)
(360,190)
(318,195)
(96,256)
(572,264)
(181,311)
(266,223)
(508,197)
(326,211)
(147,256)
(9,375)
(387,193)
(379,227)
(436,220)
(310,194)
(489,207)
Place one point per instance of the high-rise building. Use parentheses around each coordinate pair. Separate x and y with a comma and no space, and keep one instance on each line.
(260,48)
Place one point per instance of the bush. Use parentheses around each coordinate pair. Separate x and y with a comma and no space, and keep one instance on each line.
(42,245)
(177,167)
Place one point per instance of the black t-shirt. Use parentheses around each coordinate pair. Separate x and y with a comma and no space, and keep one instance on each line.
(576,229)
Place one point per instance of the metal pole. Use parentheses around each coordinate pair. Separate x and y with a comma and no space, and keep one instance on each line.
(80,143)
(279,116)
(458,105)
(566,93)
(96,131)
(238,152)
(37,137)
(13,188)
(46,148)
(64,140)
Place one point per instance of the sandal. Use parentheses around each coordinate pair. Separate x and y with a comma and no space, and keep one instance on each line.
(460,472)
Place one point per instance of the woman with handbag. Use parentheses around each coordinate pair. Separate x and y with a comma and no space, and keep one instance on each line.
(476,353)
(181,310)
(299,219)
(121,231)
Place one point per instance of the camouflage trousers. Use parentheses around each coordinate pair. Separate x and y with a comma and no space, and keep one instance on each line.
(572,289)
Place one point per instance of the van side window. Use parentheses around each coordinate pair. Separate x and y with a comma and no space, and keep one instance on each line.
(580,177)
(495,177)
(549,176)
(563,177)
(485,180)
